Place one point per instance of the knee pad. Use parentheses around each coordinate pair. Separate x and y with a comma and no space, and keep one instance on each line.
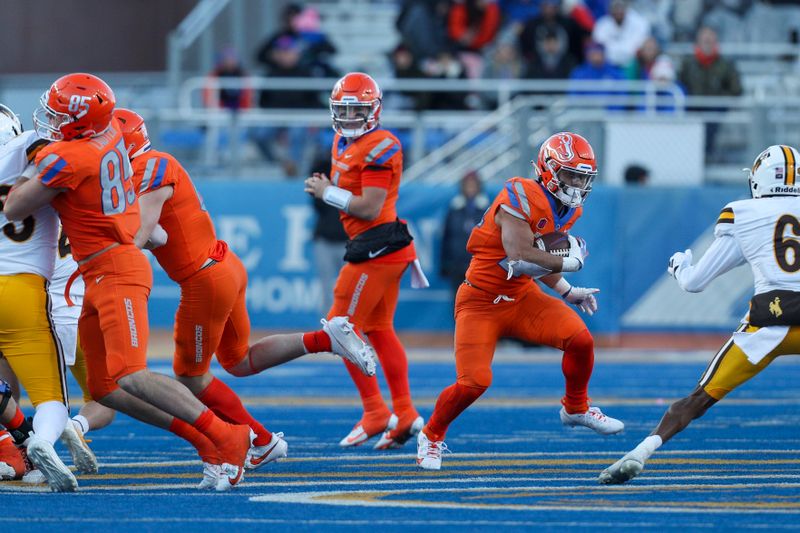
(6,393)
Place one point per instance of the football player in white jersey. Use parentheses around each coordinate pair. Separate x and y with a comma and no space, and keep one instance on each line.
(27,339)
(762,231)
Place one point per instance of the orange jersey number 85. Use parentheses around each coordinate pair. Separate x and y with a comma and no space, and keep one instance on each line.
(115,180)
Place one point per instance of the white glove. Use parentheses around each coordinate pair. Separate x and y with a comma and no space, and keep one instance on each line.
(678,260)
(582,298)
(577,253)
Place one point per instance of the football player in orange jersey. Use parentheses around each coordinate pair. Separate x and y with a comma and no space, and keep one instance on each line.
(498,297)
(367,163)
(212,314)
(86,175)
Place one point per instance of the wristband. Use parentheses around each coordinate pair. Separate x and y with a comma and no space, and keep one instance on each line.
(562,287)
(337,197)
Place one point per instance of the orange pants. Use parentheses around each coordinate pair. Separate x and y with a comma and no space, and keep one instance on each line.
(533,316)
(212,318)
(113,321)
(367,292)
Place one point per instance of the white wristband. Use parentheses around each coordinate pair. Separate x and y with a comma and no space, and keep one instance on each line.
(571,264)
(562,287)
(337,197)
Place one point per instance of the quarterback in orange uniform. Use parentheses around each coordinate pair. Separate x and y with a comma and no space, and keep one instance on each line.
(212,313)
(499,299)
(86,175)
(367,163)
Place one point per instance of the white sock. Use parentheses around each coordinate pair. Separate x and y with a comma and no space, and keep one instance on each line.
(83,422)
(49,420)
(648,446)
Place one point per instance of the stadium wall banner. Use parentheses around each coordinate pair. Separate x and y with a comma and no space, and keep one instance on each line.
(631,233)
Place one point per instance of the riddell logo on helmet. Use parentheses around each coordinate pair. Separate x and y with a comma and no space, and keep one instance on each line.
(782,189)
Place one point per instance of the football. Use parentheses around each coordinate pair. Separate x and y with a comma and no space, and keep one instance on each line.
(557,243)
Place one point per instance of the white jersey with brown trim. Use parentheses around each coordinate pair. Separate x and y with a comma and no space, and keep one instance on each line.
(767,230)
(27,246)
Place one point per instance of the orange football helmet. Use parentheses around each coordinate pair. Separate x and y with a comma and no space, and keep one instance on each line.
(566,167)
(134,132)
(355,105)
(76,105)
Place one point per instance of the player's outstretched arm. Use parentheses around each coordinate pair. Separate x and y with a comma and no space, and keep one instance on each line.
(723,255)
(150,205)
(26,197)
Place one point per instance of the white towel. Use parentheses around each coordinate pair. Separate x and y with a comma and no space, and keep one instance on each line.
(418,279)
(758,344)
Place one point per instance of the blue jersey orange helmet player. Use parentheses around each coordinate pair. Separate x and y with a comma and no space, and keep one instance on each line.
(498,297)
(366,168)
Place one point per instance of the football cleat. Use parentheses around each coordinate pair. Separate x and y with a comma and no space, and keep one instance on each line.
(627,468)
(12,463)
(211,473)
(395,438)
(258,456)
(592,419)
(82,456)
(44,457)
(362,433)
(347,344)
(229,476)
(233,456)
(429,453)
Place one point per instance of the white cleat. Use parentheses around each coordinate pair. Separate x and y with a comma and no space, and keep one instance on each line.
(82,456)
(358,435)
(44,457)
(592,419)
(627,468)
(272,451)
(429,453)
(211,473)
(229,476)
(34,477)
(346,343)
(395,438)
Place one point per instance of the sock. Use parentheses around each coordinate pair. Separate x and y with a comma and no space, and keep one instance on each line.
(19,427)
(393,363)
(367,386)
(577,365)
(49,420)
(317,341)
(228,406)
(205,448)
(83,422)
(648,446)
(451,403)
(376,414)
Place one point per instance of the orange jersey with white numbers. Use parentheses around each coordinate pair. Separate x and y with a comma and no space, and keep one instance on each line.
(527,200)
(98,207)
(352,164)
(191,238)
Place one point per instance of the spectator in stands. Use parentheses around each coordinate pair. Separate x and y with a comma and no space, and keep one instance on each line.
(622,32)
(317,50)
(551,59)
(551,23)
(472,25)
(504,62)
(228,65)
(466,210)
(596,67)
(517,12)
(405,66)
(636,175)
(329,238)
(707,73)
(446,66)
(422,25)
(640,66)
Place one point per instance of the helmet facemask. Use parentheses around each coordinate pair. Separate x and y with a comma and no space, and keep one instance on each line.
(10,126)
(48,122)
(354,118)
(570,186)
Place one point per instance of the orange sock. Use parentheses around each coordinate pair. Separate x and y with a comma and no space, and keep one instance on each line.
(576,366)
(367,386)
(451,403)
(227,405)
(316,341)
(376,414)
(393,361)
(232,441)
(205,448)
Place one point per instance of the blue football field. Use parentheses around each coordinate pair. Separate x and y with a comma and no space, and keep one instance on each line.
(513,465)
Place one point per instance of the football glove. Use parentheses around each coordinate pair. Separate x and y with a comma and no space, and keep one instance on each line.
(577,253)
(678,260)
(582,298)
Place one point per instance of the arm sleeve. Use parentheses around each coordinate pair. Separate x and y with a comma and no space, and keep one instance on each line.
(158,172)
(54,171)
(514,201)
(723,255)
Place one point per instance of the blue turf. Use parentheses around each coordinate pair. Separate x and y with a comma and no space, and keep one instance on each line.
(738,467)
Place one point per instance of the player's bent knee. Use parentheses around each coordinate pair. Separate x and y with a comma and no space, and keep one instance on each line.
(480,379)
(240,369)
(581,342)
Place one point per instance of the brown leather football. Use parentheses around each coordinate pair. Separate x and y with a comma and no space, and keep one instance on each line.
(557,243)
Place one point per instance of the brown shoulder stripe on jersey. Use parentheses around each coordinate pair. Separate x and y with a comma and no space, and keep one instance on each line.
(725,216)
(788,155)
(33,149)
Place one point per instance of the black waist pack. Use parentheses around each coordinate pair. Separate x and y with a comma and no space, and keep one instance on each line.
(775,308)
(377,242)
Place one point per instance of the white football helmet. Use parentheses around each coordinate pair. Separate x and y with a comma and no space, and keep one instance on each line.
(10,125)
(774,172)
